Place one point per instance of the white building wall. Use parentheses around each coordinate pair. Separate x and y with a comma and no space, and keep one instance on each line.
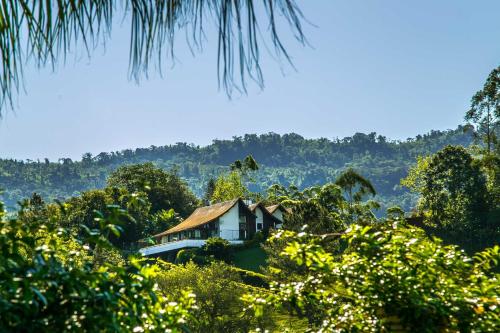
(278,214)
(259,219)
(229,224)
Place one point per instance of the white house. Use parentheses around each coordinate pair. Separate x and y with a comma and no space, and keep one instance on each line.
(231,220)
(277,211)
(265,220)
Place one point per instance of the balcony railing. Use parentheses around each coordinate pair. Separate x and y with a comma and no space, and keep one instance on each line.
(224,234)
(176,245)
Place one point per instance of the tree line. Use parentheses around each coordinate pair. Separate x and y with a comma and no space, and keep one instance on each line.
(284,159)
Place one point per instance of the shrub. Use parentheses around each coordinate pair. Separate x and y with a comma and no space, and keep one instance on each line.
(48,283)
(218,290)
(251,278)
(390,278)
(218,248)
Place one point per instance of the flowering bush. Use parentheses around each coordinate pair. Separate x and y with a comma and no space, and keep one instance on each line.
(390,278)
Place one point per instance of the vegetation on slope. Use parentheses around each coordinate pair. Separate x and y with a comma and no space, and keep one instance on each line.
(283,159)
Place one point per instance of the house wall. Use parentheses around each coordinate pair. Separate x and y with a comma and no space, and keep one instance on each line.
(260,217)
(278,214)
(229,224)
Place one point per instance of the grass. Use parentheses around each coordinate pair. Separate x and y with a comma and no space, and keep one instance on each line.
(250,259)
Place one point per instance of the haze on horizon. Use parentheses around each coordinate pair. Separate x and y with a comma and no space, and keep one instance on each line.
(400,70)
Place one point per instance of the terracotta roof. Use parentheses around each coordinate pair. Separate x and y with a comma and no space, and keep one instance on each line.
(201,216)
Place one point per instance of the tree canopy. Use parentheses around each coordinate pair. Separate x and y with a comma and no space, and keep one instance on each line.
(485,110)
(165,189)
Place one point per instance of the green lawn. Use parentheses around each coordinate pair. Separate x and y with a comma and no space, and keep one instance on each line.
(250,259)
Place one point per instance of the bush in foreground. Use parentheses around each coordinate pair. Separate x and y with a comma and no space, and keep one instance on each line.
(390,278)
(48,283)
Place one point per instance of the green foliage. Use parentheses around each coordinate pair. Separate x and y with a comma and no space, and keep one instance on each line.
(355,185)
(209,192)
(250,258)
(164,189)
(453,189)
(218,289)
(252,278)
(485,110)
(161,221)
(395,213)
(322,208)
(185,256)
(248,165)
(218,249)
(81,210)
(415,179)
(390,278)
(49,283)
(284,159)
(228,187)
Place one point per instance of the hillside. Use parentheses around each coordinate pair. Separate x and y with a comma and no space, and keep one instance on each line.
(285,159)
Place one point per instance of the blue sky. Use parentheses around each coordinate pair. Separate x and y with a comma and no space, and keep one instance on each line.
(399,68)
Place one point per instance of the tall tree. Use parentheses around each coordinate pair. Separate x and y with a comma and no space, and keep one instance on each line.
(485,109)
(228,187)
(355,185)
(322,208)
(452,187)
(46,30)
(165,189)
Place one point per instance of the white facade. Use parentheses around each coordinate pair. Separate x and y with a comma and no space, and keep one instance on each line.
(279,215)
(259,221)
(229,224)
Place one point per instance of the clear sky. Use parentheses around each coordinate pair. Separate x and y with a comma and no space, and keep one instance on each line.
(395,67)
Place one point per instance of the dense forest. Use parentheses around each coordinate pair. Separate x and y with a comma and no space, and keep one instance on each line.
(283,159)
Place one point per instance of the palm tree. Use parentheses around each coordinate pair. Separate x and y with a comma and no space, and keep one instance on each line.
(44,31)
(350,180)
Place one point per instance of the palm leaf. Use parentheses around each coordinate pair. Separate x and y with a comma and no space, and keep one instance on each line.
(44,31)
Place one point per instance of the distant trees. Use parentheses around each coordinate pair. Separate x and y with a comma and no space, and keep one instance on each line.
(285,159)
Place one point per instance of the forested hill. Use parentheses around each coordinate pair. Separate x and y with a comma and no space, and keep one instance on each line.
(284,159)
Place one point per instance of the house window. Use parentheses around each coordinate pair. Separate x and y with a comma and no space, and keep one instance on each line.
(259,226)
(197,234)
(243,219)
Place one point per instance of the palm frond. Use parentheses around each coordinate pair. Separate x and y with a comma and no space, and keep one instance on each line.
(44,31)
